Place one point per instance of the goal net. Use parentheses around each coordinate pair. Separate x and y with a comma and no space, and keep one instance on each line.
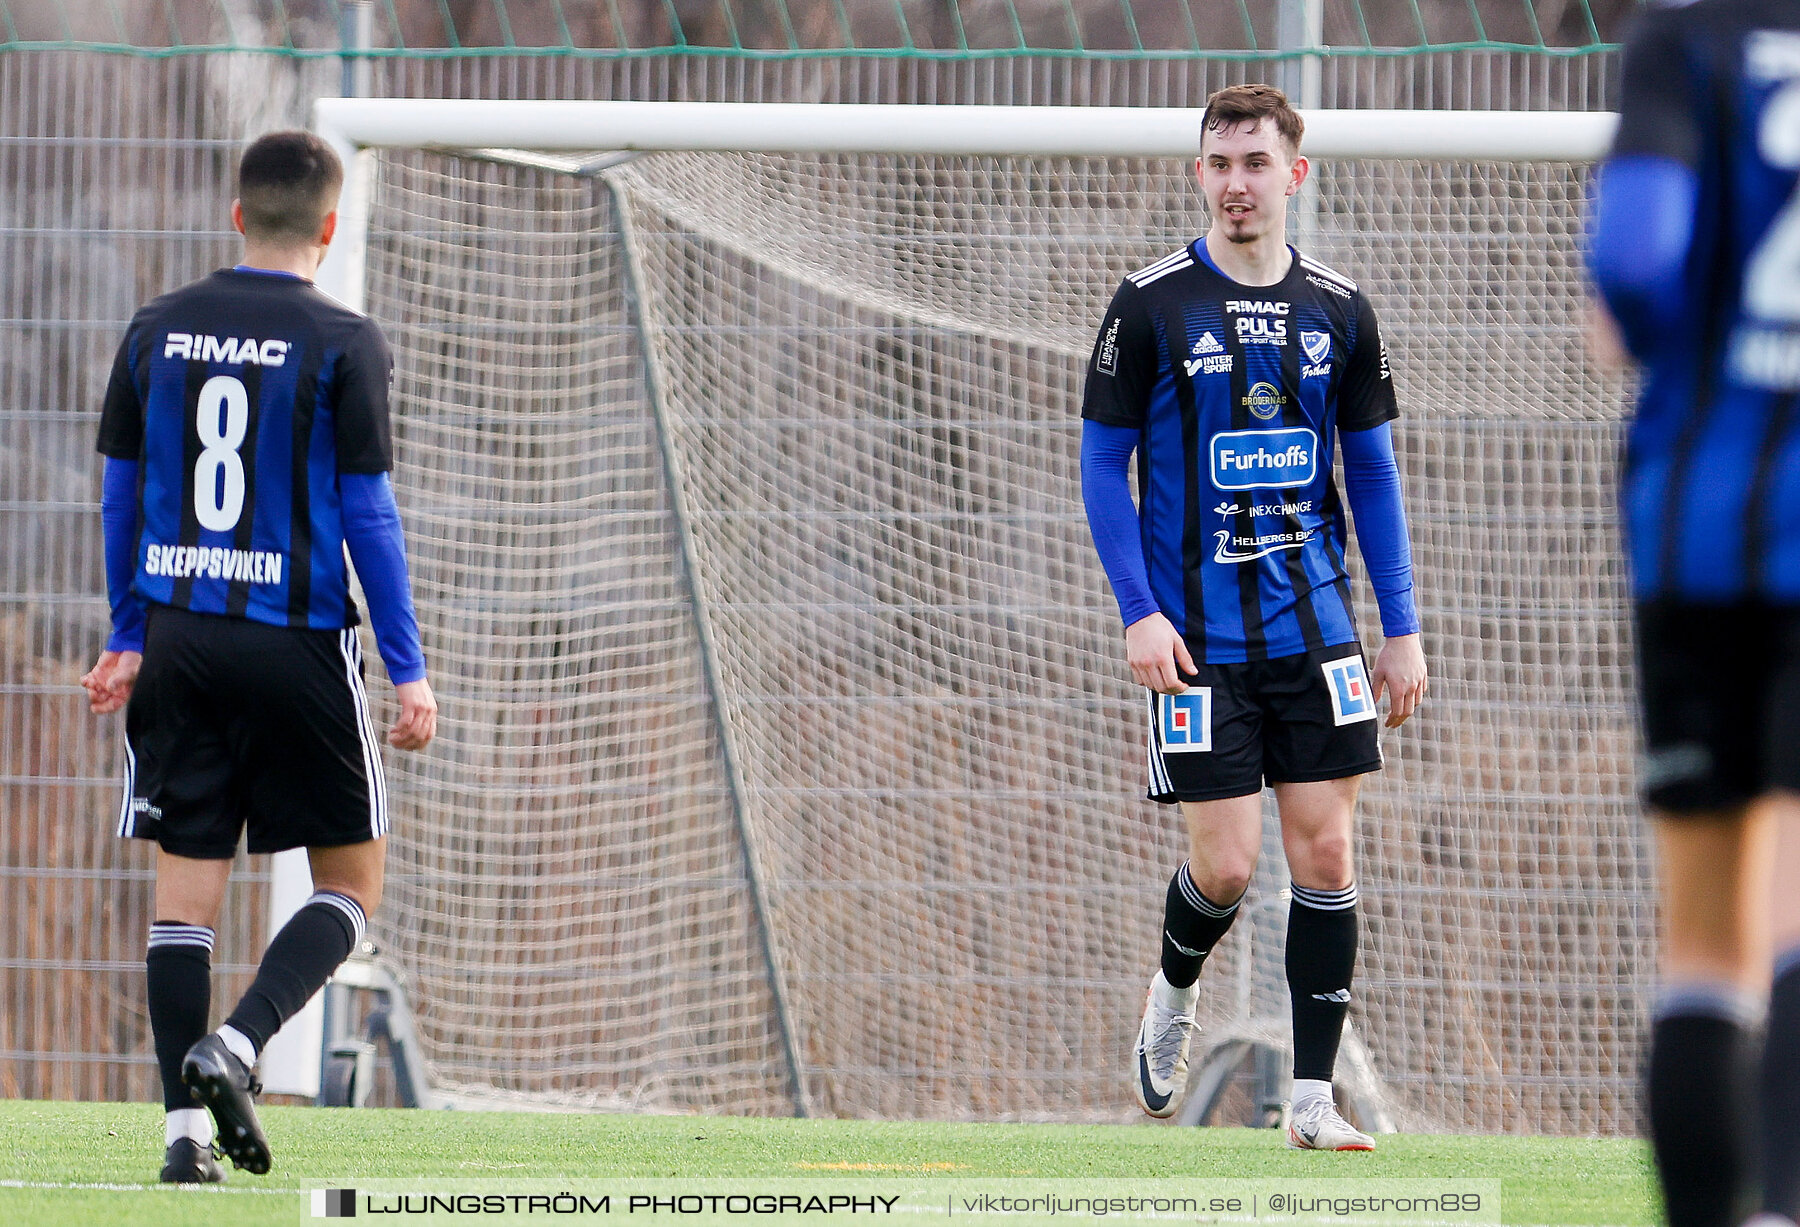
(788,756)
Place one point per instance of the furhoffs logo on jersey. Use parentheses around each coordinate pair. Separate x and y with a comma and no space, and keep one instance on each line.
(1264,401)
(1107,361)
(199,347)
(1352,699)
(1264,459)
(1184,721)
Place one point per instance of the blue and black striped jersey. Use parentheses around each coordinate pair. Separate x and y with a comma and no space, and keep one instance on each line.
(1238,392)
(242,397)
(1711,487)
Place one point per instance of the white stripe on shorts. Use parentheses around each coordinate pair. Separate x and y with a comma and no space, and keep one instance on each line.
(126,813)
(351,648)
(1160,783)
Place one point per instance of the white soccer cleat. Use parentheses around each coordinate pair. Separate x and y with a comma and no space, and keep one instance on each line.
(1162,1047)
(1317,1125)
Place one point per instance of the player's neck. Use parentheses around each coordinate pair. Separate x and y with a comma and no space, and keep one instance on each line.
(1263,261)
(300,261)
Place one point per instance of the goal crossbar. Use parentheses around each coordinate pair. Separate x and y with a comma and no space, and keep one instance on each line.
(356,125)
(950,131)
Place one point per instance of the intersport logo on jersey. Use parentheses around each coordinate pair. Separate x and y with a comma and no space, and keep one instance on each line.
(1264,459)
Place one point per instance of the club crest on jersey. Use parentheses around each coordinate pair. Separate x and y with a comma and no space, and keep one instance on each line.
(199,347)
(1352,698)
(1184,721)
(1317,348)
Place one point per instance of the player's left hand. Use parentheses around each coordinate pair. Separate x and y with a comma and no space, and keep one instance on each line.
(1400,670)
(110,681)
(417,724)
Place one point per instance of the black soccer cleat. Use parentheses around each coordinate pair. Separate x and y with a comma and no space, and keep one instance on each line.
(188,1162)
(223,1083)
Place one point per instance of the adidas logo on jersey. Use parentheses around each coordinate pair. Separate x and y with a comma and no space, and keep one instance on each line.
(198,347)
(1207,344)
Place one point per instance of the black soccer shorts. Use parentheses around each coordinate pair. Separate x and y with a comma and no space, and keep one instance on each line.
(1288,720)
(1720,688)
(235,726)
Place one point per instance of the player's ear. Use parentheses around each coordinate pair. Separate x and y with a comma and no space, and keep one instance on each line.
(328,230)
(1300,169)
(237,216)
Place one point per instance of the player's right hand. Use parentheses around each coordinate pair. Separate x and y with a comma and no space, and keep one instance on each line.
(110,681)
(417,724)
(1157,655)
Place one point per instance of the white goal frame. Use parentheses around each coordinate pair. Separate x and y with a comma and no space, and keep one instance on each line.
(356,127)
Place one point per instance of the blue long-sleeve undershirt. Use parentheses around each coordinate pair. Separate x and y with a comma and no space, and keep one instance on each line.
(1113,518)
(119,530)
(372,533)
(1371,486)
(1643,228)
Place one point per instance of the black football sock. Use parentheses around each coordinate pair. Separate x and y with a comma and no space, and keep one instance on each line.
(297,963)
(1321,958)
(1779,1127)
(1192,926)
(1701,1103)
(178,969)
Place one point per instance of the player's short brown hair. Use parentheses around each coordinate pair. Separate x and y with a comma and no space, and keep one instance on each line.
(287,183)
(1240,104)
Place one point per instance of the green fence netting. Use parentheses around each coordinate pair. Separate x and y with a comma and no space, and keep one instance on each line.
(937,29)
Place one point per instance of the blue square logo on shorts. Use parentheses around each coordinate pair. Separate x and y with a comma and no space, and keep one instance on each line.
(1352,698)
(1184,721)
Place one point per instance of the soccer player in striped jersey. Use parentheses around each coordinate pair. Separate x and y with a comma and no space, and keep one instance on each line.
(1696,249)
(1234,368)
(246,441)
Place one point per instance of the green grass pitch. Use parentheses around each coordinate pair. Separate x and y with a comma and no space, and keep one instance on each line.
(95,1164)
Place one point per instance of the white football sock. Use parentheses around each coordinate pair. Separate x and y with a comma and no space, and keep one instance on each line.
(239,1045)
(1306,1089)
(188,1123)
(1169,997)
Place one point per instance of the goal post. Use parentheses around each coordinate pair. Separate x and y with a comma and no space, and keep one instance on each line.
(787,761)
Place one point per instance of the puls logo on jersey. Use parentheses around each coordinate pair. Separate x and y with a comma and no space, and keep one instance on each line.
(199,347)
(1265,459)
(1255,330)
(1317,348)
(1209,357)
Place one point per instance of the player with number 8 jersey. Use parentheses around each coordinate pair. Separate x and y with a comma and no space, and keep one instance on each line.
(243,396)
(246,438)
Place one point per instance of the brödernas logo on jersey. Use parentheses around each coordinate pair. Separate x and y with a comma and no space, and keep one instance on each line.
(1264,459)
